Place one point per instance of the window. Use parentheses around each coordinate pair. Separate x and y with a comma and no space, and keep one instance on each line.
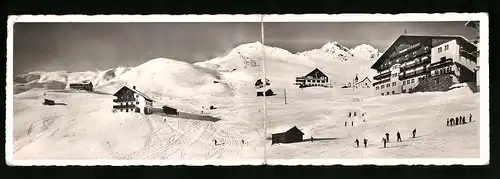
(387,92)
(393,92)
(382,87)
(388,85)
(413,80)
(376,88)
(408,81)
(404,91)
(382,94)
(446,47)
(393,83)
(137,102)
(404,82)
(440,49)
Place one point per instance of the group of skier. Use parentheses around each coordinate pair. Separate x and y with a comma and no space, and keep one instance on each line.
(215,141)
(353,114)
(386,139)
(458,120)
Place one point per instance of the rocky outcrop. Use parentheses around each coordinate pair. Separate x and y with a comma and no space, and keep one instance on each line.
(435,83)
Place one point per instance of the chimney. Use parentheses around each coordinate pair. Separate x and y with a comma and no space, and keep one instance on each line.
(133,87)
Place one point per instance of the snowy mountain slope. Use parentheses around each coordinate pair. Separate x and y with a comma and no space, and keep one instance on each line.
(41,79)
(282,66)
(85,128)
(167,77)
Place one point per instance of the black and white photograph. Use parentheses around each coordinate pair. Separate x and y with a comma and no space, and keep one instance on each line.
(247,89)
(373,90)
(169,91)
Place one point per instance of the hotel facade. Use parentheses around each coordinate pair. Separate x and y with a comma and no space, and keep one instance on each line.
(414,59)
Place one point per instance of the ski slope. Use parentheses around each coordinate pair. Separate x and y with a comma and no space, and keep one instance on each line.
(85,128)
(322,113)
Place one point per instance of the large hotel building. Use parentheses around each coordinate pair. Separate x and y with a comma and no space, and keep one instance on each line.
(431,61)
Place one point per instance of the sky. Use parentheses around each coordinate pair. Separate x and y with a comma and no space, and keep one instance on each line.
(100,46)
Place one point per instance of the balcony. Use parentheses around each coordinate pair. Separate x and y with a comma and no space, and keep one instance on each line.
(416,64)
(402,59)
(381,81)
(468,55)
(407,75)
(382,75)
(405,51)
(441,63)
(123,101)
(123,106)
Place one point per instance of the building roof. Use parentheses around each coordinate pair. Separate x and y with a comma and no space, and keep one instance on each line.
(134,90)
(366,78)
(401,38)
(472,24)
(284,129)
(316,70)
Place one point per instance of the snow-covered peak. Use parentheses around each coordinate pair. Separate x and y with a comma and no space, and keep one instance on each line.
(329,51)
(332,47)
(365,52)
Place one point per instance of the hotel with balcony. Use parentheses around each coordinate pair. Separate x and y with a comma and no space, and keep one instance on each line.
(414,62)
(475,25)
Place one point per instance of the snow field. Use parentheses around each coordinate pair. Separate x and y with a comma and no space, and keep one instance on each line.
(324,117)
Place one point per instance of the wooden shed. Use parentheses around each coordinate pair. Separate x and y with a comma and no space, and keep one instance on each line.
(268,92)
(49,102)
(170,110)
(291,135)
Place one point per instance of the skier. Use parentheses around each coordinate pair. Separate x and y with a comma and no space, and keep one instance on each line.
(384,141)
(414,132)
(456,120)
(451,122)
(470,117)
(365,141)
(387,137)
(399,137)
(354,113)
(242,141)
(447,121)
(349,114)
(357,143)
(463,117)
(215,142)
(352,123)
(345,124)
